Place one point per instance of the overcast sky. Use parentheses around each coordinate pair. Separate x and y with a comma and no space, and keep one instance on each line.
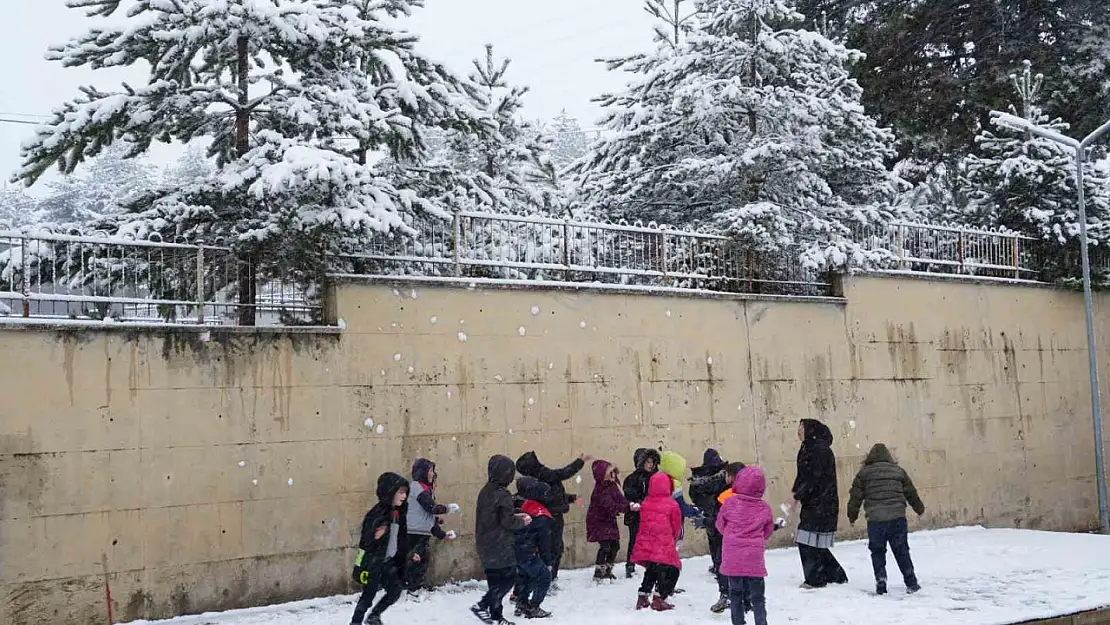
(552,44)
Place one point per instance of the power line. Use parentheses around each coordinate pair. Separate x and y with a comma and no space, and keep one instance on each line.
(8,120)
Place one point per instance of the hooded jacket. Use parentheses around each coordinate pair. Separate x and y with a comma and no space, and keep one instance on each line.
(606,503)
(380,543)
(558,501)
(815,486)
(495,520)
(535,539)
(660,525)
(422,515)
(745,522)
(707,484)
(636,484)
(883,489)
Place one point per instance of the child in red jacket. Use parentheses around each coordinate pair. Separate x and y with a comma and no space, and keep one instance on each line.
(606,503)
(657,544)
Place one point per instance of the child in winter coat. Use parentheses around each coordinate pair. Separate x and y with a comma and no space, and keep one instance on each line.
(534,552)
(706,485)
(606,503)
(494,525)
(656,545)
(424,522)
(380,563)
(745,522)
(646,461)
(884,489)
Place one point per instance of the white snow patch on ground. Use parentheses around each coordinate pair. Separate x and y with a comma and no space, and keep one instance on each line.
(970,576)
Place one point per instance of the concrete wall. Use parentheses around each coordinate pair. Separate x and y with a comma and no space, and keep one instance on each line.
(123,447)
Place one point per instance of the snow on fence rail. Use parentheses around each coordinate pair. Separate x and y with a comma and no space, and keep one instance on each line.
(508,247)
(54,276)
(952,249)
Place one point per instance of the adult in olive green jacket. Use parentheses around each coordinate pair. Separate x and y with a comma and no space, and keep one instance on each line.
(883,489)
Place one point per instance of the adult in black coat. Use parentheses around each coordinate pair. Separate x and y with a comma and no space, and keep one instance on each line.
(816,491)
(646,461)
(708,482)
(558,502)
(382,545)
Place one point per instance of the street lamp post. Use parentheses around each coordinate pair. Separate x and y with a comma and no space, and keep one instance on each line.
(1080,148)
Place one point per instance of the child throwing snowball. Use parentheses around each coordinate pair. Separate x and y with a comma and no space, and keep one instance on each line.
(657,544)
(746,523)
(606,503)
(382,549)
(424,523)
(884,489)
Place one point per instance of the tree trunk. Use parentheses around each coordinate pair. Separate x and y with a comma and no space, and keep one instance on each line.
(247,260)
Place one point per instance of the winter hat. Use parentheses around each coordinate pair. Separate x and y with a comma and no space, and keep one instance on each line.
(712,459)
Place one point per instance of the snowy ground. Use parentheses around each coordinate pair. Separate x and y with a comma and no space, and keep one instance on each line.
(969,576)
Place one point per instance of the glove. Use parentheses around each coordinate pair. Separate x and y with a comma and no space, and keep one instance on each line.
(451,535)
(699,523)
(453,508)
(780,522)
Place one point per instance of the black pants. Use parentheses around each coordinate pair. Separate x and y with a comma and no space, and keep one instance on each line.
(745,591)
(557,546)
(820,567)
(716,543)
(661,578)
(499,582)
(896,533)
(607,551)
(633,531)
(417,572)
(387,579)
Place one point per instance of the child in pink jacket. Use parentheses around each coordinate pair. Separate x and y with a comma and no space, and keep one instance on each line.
(656,544)
(746,523)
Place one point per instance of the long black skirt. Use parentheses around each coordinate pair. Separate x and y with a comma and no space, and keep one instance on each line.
(820,567)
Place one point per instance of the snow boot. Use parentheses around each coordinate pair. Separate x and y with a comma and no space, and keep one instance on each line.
(642,601)
(599,573)
(659,605)
(880,587)
(609,573)
(629,571)
(537,612)
(374,619)
(481,613)
(721,606)
(912,588)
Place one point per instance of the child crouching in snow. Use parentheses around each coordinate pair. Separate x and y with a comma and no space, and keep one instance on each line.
(534,549)
(606,503)
(746,523)
(656,544)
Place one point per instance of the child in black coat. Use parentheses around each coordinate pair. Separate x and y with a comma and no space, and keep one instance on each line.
(534,549)
(382,549)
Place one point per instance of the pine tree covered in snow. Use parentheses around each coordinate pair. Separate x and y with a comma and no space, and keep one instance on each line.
(569,141)
(516,157)
(751,127)
(297,98)
(1026,183)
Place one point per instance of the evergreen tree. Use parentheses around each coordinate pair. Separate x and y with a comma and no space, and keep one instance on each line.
(569,142)
(751,127)
(296,97)
(934,69)
(1027,184)
(516,157)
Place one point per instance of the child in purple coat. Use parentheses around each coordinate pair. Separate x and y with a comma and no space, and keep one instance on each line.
(606,503)
(745,522)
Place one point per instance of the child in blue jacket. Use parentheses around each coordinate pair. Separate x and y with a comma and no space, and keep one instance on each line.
(534,549)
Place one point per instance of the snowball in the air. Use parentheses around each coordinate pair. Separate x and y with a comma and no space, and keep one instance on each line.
(709,361)
(462,336)
(582,324)
(255,482)
(380,429)
(242,463)
(369,422)
(521,331)
(578,480)
(413,294)
(435,320)
(852,424)
(668,312)
(535,310)
(396,357)
(412,369)
(531,401)
(290,481)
